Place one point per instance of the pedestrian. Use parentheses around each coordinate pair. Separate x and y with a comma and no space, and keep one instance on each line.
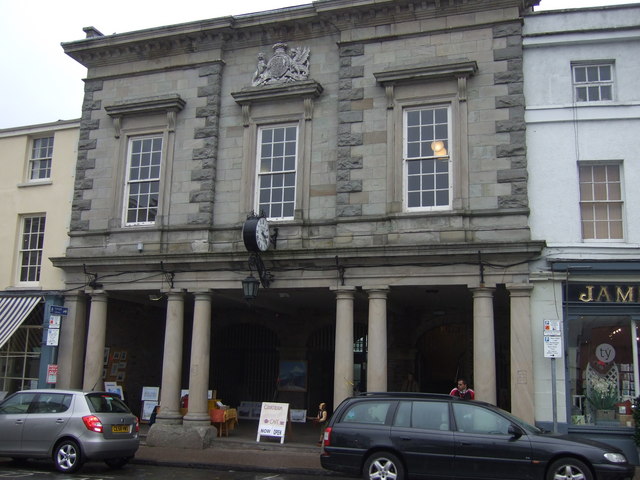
(321,419)
(154,414)
(462,390)
(410,384)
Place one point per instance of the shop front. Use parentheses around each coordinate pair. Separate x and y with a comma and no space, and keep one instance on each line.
(602,312)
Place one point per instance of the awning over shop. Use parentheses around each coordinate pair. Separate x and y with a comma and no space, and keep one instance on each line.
(14,311)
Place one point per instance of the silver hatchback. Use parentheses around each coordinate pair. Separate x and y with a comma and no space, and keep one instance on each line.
(68,426)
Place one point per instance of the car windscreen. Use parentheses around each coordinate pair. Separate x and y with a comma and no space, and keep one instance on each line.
(100,402)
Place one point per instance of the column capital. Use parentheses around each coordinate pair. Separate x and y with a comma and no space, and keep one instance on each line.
(519,289)
(377,291)
(202,294)
(175,293)
(482,291)
(97,295)
(343,292)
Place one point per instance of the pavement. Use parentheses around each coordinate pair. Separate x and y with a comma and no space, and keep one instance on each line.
(240,451)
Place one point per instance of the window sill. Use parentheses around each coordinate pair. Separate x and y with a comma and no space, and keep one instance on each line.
(35,183)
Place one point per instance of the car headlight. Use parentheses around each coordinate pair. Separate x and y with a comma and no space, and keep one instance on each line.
(615,457)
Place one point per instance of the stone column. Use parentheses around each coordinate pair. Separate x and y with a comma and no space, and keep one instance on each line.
(377,340)
(94,356)
(73,339)
(484,347)
(198,412)
(343,366)
(521,352)
(172,359)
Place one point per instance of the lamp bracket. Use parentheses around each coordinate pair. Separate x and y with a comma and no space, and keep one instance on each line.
(255,262)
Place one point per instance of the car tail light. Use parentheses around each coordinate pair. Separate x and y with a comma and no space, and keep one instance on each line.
(326,440)
(92,423)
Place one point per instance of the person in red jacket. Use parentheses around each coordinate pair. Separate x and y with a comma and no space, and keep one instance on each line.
(463,391)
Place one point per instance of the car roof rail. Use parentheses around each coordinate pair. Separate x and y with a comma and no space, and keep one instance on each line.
(405,394)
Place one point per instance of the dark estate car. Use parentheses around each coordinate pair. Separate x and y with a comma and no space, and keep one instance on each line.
(68,426)
(395,436)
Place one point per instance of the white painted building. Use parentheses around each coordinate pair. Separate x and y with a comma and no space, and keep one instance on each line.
(581,73)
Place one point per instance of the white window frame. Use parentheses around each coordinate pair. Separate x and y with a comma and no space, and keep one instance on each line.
(408,157)
(41,158)
(31,249)
(591,85)
(607,202)
(150,178)
(262,173)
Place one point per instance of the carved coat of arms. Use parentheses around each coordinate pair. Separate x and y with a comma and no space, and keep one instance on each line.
(285,65)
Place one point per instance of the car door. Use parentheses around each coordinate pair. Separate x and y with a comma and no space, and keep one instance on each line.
(13,415)
(484,448)
(421,432)
(48,415)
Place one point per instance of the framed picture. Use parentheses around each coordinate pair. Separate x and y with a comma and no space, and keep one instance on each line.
(147,409)
(114,369)
(122,365)
(106,355)
(117,390)
(292,376)
(116,356)
(123,356)
(150,394)
(120,377)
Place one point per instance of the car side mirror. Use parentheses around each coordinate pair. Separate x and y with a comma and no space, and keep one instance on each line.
(515,431)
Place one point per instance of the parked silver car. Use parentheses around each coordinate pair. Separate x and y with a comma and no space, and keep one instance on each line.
(68,426)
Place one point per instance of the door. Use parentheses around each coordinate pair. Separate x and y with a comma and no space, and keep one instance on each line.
(483,447)
(13,415)
(48,415)
(422,432)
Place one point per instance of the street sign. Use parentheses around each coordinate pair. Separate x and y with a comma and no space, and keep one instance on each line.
(552,346)
(58,310)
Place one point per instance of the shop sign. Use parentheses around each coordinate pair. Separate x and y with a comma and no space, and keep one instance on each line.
(605,293)
(273,420)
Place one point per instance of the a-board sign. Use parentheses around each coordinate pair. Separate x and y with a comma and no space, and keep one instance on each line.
(273,420)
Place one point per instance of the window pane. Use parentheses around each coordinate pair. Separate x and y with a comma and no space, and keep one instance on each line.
(143,184)
(278,150)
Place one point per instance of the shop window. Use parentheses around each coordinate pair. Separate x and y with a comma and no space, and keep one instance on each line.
(602,369)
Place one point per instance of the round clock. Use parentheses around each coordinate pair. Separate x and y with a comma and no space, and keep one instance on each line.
(255,233)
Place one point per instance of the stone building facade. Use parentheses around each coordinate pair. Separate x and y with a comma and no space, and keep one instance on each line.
(385,143)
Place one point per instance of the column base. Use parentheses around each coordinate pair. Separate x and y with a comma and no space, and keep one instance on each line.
(181,436)
(169,418)
(196,420)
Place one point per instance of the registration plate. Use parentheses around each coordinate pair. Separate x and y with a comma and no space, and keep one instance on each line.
(120,428)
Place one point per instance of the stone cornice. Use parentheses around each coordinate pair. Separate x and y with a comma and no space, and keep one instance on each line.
(458,71)
(306,90)
(307,21)
(169,104)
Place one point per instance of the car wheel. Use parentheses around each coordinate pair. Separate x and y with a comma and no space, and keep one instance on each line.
(383,466)
(569,469)
(67,456)
(117,462)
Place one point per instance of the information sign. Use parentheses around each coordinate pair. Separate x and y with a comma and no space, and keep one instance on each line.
(52,373)
(273,420)
(552,346)
(54,321)
(53,336)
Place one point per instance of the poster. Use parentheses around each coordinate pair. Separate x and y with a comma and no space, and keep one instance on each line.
(273,420)
(292,376)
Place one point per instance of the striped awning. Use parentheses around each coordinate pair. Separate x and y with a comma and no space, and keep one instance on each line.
(14,311)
